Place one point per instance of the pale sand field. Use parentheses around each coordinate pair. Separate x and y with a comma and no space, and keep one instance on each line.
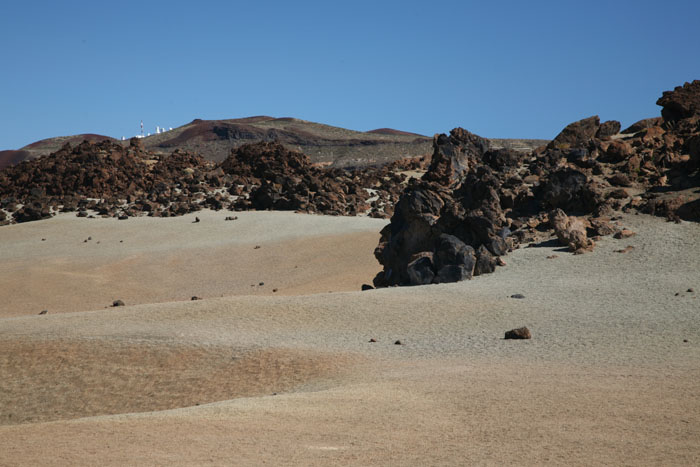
(289,377)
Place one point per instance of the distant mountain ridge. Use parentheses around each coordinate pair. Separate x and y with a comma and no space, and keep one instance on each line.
(324,144)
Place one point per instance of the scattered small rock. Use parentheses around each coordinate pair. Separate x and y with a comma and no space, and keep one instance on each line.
(196,219)
(519,333)
(367,287)
(373,340)
(43,312)
(690,290)
(261,283)
(257,247)
(624,233)
(194,297)
(43,239)
(626,249)
(398,343)
(676,294)
(117,303)
(517,295)
(552,256)
(231,218)
(685,340)
(274,290)
(89,238)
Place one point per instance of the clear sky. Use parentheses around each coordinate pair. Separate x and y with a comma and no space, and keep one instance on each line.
(518,69)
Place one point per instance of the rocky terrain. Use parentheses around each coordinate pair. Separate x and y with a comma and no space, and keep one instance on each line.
(323,144)
(453,215)
(246,338)
(475,204)
(44,148)
(109,180)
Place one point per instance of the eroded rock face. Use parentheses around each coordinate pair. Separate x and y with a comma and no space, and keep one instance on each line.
(453,215)
(453,156)
(681,103)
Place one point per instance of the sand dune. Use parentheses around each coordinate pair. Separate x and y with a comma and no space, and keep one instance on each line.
(610,376)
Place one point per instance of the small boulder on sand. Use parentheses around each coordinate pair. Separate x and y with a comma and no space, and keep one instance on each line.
(624,233)
(571,231)
(519,333)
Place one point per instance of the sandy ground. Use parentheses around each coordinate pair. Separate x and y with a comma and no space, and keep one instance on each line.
(51,265)
(289,377)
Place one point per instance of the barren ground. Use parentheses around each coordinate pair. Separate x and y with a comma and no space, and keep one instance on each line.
(289,377)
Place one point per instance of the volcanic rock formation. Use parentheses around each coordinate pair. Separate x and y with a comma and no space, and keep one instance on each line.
(475,204)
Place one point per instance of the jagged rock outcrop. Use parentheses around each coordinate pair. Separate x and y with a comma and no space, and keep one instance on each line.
(577,134)
(269,176)
(681,103)
(474,204)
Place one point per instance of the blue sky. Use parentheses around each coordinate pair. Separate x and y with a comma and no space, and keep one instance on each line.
(500,69)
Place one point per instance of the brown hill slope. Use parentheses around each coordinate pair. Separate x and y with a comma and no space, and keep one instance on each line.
(324,144)
(45,147)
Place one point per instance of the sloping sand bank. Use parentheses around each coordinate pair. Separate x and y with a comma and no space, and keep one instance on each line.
(292,380)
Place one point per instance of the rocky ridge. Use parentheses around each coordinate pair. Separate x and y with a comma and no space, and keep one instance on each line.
(475,204)
(109,180)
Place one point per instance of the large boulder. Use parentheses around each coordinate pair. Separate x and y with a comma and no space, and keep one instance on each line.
(572,191)
(454,155)
(501,159)
(643,125)
(454,258)
(420,270)
(608,129)
(571,232)
(682,102)
(577,134)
